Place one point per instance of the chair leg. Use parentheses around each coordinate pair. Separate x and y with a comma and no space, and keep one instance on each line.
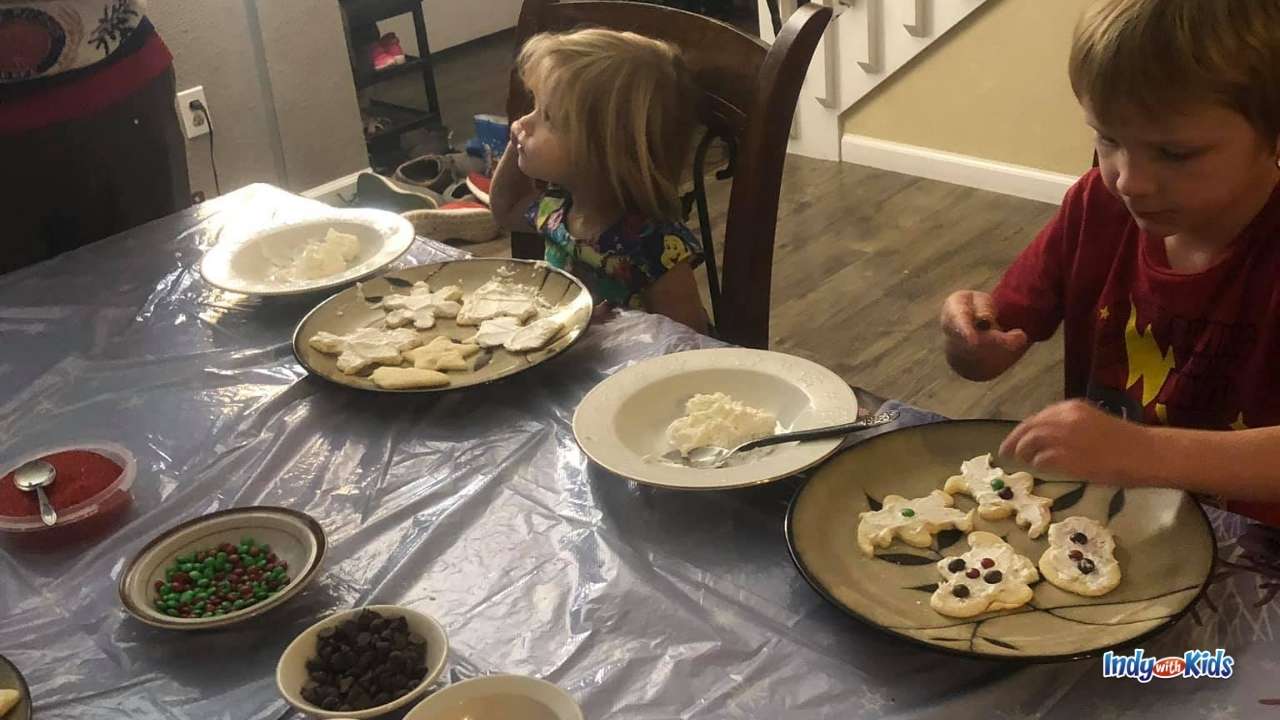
(527,246)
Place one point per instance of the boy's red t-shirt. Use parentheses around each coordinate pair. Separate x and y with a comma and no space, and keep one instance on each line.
(1195,350)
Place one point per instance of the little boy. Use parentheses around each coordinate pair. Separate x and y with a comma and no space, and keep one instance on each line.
(1162,265)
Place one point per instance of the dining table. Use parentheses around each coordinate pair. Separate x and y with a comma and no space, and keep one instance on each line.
(477,507)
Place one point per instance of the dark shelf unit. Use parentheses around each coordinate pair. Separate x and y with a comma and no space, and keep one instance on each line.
(358,16)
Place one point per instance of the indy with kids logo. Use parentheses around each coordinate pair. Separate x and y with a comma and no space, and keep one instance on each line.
(1191,664)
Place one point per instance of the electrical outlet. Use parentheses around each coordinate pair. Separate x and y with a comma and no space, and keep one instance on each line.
(194,123)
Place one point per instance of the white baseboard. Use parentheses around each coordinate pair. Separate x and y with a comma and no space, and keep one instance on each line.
(333,185)
(1005,178)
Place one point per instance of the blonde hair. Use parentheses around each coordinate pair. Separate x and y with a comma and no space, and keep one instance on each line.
(1150,54)
(623,103)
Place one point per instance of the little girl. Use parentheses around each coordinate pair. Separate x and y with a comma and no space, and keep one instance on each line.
(595,168)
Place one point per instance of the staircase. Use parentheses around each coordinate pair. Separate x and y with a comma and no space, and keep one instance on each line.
(866,42)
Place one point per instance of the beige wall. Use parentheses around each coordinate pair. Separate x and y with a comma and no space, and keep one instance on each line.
(279,87)
(995,88)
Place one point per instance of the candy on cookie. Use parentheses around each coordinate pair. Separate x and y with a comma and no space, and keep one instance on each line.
(1000,495)
(1081,557)
(990,576)
(916,521)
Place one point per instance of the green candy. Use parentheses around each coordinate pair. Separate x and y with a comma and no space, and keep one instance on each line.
(171,602)
(221,556)
(246,541)
(908,512)
(173,612)
(997,484)
(168,574)
(195,575)
(237,605)
(186,596)
(204,582)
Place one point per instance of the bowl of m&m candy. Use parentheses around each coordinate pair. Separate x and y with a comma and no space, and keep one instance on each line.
(90,494)
(222,568)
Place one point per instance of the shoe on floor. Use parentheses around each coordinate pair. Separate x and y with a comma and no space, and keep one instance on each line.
(457,191)
(391,46)
(375,191)
(379,57)
(428,171)
(479,184)
(465,220)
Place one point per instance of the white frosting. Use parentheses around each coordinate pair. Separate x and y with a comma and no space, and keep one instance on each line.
(976,478)
(495,332)
(1099,549)
(928,516)
(496,298)
(1011,590)
(533,336)
(718,420)
(366,346)
(318,258)
(421,306)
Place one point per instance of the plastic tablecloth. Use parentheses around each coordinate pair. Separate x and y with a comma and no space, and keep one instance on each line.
(476,507)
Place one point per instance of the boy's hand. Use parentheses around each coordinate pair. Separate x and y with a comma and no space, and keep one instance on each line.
(977,348)
(1076,439)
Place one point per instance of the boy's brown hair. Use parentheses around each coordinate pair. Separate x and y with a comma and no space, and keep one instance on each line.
(1158,55)
(624,102)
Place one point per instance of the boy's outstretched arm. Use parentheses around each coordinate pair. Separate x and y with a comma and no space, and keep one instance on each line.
(1077,439)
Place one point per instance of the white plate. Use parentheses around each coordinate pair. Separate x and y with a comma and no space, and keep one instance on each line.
(242,263)
(498,697)
(621,424)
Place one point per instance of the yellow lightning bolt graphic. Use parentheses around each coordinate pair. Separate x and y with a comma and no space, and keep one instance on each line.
(1146,361)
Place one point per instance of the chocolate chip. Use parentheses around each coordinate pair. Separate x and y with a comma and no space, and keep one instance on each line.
(993,576)
(973,573)
(956,565)
(1006,494)
(988,563)
(1079,538)
(960,591)
(1075,554)
(364,662)
(1086,566)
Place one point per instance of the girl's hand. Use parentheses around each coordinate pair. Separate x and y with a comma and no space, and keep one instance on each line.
(977,348)
(1076,439)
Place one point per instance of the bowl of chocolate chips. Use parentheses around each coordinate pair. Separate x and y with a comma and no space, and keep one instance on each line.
(363,662)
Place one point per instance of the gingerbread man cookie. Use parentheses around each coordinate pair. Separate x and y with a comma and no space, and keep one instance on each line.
(916,521)
(1000,495)
(991,576)
(1081,557)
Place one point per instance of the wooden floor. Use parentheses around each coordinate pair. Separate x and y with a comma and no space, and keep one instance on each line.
(864,259)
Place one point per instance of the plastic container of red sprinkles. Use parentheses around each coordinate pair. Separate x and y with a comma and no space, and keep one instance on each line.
(91,492)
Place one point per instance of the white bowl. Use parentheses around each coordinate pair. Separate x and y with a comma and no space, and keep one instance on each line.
(294,537)
(622,423)
(244,263)
(498,697)
(291,672)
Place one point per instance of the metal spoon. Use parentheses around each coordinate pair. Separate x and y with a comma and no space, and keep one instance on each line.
(37,475)
(709,457)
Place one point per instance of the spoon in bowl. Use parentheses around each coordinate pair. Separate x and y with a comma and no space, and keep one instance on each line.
(37,475)
(709,457)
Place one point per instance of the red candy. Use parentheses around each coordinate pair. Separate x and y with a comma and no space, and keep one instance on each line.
(988,563)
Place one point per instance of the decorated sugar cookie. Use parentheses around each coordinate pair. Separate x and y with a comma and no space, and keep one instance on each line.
(915,521)
(1000,495)
(1081,557)
(991,576)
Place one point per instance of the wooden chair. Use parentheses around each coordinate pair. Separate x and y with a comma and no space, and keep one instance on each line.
(747,97)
